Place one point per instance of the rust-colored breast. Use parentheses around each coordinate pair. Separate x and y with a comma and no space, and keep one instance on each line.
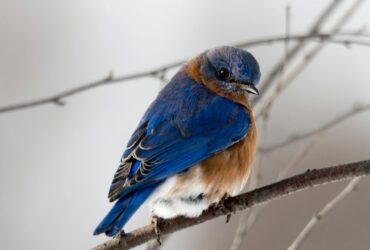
(223,173)
(227,172)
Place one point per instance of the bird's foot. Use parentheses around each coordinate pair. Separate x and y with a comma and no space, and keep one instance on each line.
(120,235)
(224,209)
(156,222)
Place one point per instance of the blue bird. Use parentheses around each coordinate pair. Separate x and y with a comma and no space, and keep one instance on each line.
(195,143)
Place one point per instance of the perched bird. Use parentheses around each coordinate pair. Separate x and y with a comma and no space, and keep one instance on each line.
(195,143)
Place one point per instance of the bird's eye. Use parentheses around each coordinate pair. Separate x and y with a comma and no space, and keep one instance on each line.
(223,73)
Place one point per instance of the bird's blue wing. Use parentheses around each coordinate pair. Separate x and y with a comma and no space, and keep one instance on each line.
(185,125)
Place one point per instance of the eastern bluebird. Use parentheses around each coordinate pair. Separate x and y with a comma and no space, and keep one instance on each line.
(195,143)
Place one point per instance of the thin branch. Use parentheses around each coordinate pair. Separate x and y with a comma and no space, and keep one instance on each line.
(281,85)
(264,105)
(315,28)
(255,178)
(247,218)
(297,158)
(274,191)
(357,109)
(247,221)
(153,245)
(255,213)
(110,79)
(323,213)
(161,71)
(316,37)
(257,168)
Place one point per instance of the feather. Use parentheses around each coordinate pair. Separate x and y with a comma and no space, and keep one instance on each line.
(122,212)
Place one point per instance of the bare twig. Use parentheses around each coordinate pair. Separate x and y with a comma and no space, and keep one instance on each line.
(254,214)
(256,174)
(241,230)
(163,80)
(272,96)
(336,38)
(255,178)
(357,109)
(247,218)
(315,28)
(297,158)
(274,191)
(323,213)
(161,71)
(265,105)
(110,79)
(248,221)
(153,245)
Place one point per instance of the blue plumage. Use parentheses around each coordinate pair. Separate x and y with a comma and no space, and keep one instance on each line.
(186,124)
(122,211)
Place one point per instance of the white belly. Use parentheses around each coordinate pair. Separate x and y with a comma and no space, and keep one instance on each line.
(187,195)
(174,197)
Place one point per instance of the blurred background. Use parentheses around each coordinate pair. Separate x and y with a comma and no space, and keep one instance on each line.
(57,162)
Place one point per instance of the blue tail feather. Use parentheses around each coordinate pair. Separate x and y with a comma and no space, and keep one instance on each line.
(122,211)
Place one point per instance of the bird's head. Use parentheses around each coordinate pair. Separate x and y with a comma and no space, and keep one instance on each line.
(230,70)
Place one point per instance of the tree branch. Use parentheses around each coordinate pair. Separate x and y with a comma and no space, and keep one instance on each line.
(357,109)
(160,71)
(336,38)
(323,213)
(272,96)
(276,190)
(110,79)
(248,219)
(247,222)
(292,53)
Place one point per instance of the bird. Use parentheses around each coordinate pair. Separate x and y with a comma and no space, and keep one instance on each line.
(194,145)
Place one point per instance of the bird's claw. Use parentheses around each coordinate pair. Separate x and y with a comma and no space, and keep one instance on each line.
(156,221)
(224,209)
(228,217)
(120,235)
